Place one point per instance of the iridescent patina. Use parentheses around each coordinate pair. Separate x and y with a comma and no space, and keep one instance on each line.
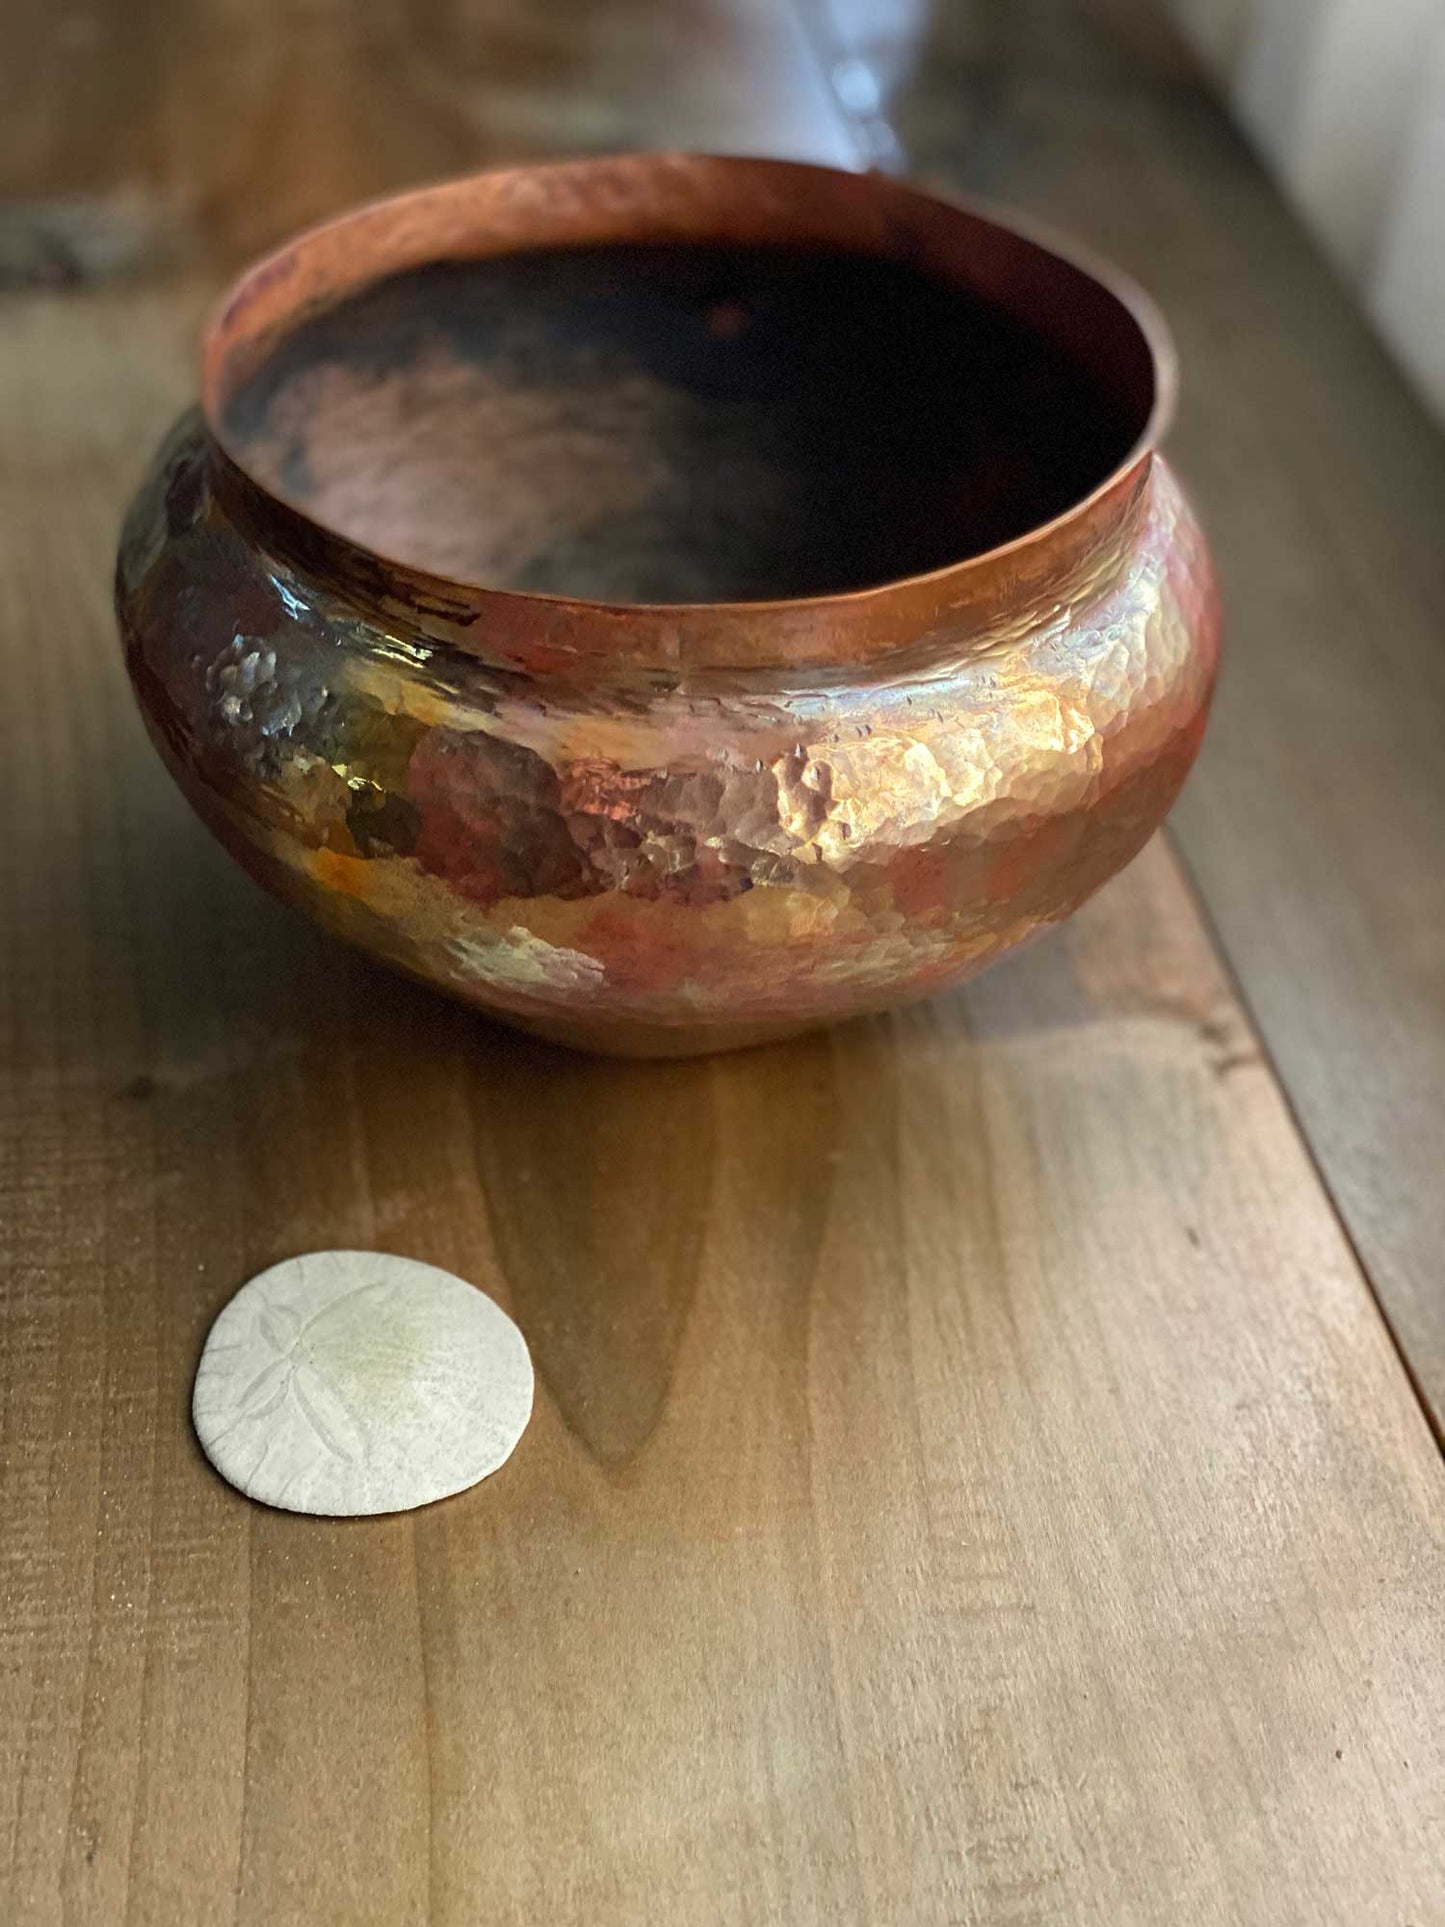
(663,827)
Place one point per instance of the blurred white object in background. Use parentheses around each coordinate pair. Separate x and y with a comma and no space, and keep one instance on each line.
(1345,101)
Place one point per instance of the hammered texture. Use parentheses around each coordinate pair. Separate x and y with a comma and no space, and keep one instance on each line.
(650,861)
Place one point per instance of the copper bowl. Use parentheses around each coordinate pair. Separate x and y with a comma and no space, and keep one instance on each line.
(672,602)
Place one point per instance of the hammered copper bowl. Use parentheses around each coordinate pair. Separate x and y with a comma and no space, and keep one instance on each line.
(672,602)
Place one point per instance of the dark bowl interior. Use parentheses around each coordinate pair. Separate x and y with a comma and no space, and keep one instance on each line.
(676,423)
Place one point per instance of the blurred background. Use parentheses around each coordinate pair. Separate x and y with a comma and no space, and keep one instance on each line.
(138,126)
(1344,100)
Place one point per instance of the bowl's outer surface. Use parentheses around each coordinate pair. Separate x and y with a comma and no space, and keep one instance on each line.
(639,861)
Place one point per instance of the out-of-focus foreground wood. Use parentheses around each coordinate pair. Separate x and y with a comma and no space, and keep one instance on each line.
(971,1478)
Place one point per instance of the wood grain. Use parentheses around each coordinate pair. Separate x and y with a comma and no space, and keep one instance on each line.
(1315,824)
(970,1480)
(163,130)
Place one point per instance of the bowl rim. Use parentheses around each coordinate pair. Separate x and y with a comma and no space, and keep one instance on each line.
(353,249)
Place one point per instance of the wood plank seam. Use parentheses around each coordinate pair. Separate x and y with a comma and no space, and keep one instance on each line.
(1434,1423)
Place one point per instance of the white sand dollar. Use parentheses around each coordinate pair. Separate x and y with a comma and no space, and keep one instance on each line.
(350,1382)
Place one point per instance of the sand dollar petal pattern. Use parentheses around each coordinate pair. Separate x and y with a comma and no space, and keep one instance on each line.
(349,1382)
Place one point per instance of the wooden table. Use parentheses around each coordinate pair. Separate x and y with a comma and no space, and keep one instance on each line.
(983,1467)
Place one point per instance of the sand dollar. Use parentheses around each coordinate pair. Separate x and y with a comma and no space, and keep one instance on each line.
(350,1382)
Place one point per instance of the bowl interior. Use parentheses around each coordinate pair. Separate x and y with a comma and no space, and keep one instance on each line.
(678,422)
